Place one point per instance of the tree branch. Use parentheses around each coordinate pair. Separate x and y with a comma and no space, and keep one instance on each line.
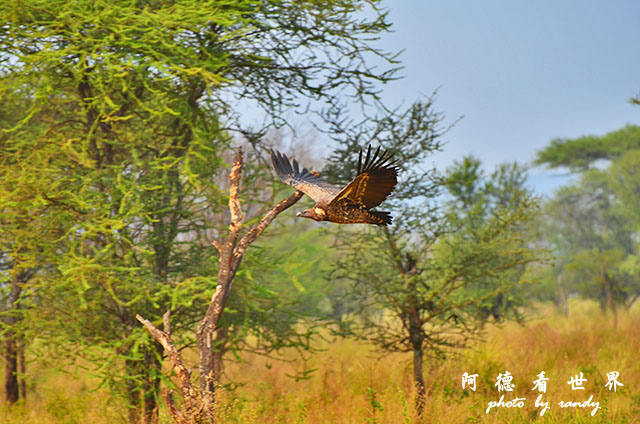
(231,253)
(198,402)
(184,375)
(257,230)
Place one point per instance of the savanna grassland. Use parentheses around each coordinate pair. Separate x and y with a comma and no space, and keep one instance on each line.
(351,384)
(139,187)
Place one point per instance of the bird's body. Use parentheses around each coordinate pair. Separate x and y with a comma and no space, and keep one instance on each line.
(353,204)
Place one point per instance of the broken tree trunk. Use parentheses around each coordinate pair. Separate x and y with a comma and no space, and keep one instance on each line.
(199,402)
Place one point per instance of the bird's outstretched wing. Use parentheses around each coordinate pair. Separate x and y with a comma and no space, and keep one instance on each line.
(374,181)
(303,180)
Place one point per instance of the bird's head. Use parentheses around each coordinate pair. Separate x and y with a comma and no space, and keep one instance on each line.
(316,214)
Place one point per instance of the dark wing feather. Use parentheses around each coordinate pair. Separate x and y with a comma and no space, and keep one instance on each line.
(345,211)
(375,180)
(303,180)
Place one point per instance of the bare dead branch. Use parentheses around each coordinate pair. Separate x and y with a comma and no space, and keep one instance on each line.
(225,279)
(199,402)
(184,376)
(166,320)
(173,410)
(234,201)
(257,230)
(231,253)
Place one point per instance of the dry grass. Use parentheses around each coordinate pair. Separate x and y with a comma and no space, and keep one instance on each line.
(60,398)
(352,385)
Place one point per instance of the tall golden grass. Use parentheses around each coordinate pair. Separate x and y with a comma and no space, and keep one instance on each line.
(353,384)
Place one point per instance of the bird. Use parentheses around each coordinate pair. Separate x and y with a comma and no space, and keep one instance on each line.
(376,177)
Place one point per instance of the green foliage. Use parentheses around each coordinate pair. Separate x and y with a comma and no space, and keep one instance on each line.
(117,119)
(473,203)
(424,281)
(464,179)
(592,226)
(625,184)
(301,259)
(580,153)
(282,296)
(374,406)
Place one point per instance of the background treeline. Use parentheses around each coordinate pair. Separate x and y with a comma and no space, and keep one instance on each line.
(120,122)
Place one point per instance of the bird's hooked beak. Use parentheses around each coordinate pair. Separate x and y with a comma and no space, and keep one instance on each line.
(312,214)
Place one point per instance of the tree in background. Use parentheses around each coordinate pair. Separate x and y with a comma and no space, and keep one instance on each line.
(592,224)
(582,153)
(591,230)
(425,280)
(473,198)
(125,116)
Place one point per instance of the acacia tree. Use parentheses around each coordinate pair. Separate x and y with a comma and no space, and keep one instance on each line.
(472,199)
(592,224)
(430,274)
(129,111)
(29,229)
(580,154)
(592,231)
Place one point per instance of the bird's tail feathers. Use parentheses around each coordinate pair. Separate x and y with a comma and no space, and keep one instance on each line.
(381,218)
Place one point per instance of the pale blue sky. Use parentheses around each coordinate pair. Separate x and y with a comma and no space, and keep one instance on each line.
(521,72)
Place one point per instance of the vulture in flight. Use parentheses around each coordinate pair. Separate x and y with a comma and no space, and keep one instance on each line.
(374,181)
